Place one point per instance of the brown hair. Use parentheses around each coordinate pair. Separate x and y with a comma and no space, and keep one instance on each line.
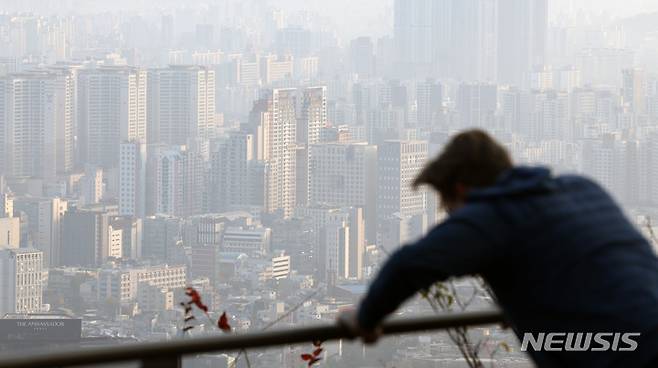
(471,158)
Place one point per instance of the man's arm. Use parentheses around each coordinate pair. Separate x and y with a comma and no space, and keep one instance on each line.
(454,248)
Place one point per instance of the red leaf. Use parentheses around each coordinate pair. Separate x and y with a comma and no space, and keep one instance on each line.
(313,361)
(223,323)
(195,298)
(317,351)
(307,356)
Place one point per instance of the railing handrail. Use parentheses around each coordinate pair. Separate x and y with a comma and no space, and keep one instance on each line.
(177,348)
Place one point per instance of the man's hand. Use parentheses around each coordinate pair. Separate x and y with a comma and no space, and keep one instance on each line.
(348,320)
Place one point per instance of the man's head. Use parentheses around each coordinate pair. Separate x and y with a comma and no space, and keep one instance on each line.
(471,160)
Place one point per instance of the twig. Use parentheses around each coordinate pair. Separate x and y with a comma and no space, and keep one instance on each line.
(246,358)
(283,316)
(291,310)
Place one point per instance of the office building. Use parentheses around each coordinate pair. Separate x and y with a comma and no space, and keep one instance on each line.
(255,240)
(343,174)
(43,228)
(398,163)
(21,281)
(122,284)
(86,237)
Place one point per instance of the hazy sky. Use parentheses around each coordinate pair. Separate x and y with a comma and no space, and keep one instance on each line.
(374,17)
(621,8)
(352,17)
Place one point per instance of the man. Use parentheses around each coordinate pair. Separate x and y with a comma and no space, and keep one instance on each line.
(557,252)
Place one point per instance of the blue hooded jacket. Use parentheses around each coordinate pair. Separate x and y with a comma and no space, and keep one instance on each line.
(559,255)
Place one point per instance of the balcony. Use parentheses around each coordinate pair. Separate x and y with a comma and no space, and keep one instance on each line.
(168,354)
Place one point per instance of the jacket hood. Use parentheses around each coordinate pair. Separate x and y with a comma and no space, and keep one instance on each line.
(519,180)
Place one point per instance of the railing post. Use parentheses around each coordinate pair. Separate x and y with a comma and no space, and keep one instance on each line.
(166,361)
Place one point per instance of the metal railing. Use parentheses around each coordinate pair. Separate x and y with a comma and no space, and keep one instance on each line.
(168,354)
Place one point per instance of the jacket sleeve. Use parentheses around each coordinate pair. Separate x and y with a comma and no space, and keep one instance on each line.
(456,247)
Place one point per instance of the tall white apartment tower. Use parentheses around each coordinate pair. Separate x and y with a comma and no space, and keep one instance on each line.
(21,281)
(312,114)
(275,119)
(230,172)
(181,104)
(5,139)
(312,117)
(132,179)
(111,110)
(179,182)
(37,118)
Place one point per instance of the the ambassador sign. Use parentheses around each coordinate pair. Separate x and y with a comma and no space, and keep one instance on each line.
(40,329)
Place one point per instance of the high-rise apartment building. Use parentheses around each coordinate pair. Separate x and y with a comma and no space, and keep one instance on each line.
(37,120)
(275,118)
(111,110)
(312,118)
(446,38)
(549,115)
(421,33)
(429,100)
(132,179)
(522,38)
(634,90)
(230,174)
(90,185)
(474,49)
(276,69)
(471,40)
(312,114)
(477,104)
(362,57)
(179,183)
(181,104)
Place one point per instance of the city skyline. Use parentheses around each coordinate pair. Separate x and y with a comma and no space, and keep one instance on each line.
(264,152)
